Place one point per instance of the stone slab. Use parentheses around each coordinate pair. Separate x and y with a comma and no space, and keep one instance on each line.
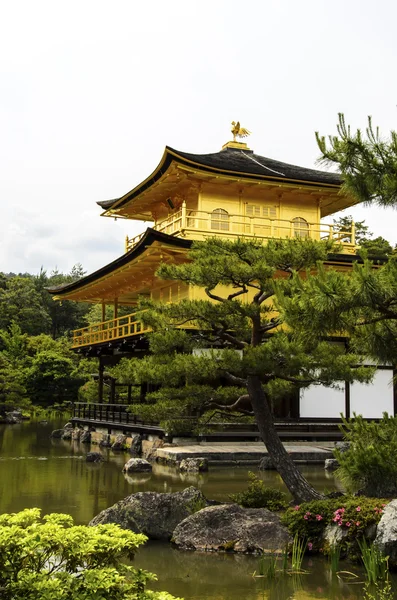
(242,453)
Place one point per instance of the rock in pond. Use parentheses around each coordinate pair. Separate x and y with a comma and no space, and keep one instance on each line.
(194,465)
(119,443)
(105,441)
(67,434)
(137,465)
(94,457)
(68,425)
(331,464)
(266,464)
(229,527)
(57,433)
(156,515)
(136,445)
(13,417)
(386,534)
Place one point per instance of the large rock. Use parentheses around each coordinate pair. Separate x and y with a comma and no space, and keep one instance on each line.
(68,425)
(156,515)
(119,443)
(94,457)
(137,465)
(232,528)
(67,434)
(386,534)
(194,465)
(136,445)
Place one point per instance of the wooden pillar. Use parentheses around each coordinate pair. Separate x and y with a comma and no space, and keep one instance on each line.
(103,312)
(100,380)
(129,390)
(115,308)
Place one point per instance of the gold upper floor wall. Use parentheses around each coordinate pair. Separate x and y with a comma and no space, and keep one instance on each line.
(251,213)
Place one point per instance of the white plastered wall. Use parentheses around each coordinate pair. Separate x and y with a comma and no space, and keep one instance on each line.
(318,401)
(372,400)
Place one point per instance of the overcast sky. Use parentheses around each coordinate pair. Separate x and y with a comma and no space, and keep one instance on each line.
(92,91)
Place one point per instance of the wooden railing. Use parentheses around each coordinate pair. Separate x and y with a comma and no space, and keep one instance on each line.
(108,330)
(184,221)
(107,413)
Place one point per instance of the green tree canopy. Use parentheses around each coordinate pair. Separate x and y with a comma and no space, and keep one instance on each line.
(236,336)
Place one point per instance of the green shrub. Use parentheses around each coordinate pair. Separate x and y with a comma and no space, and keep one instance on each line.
(353,514)
(259,496)
(370,464)
(51,559)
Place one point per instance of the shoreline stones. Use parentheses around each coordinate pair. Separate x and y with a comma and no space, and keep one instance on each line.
(154,514)
(229,527)
(137,465)
(119,443)
(136,445)
(194,465)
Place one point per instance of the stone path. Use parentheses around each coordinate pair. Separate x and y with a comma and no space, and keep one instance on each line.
(244,453)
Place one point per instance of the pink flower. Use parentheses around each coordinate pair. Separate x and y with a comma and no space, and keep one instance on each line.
(348,524)
(336,518)
(383,505)
(310,545)
(357,523)
(305,517)
(358,508)
(297,507)
(319,518)
(340,524)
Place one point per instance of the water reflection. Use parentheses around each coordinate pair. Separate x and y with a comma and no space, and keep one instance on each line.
(36,470)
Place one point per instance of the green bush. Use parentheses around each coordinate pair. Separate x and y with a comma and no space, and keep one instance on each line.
(51,559)
(370,464)
(259,496)
(353,514)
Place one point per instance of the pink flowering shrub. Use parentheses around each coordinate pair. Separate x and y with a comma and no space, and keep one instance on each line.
(352,515)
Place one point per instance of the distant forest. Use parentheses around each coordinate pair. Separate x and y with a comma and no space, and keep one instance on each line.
(37,366)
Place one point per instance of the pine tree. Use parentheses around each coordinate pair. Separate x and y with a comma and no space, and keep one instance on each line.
(236,337)
(367,162)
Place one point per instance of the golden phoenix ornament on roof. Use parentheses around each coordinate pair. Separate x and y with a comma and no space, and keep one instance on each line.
(238,131)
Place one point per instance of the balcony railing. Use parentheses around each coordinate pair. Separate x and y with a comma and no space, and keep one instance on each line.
(108,330)
(188,223)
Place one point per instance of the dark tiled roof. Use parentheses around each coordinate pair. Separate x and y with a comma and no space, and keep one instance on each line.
(230,161)
(150,236)
(246,161)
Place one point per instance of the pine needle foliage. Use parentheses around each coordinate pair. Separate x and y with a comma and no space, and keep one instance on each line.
(368,162)
(370,464)
(237,337)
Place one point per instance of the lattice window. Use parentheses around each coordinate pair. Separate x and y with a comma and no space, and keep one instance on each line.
(254,210)
(220,219)
(301,227)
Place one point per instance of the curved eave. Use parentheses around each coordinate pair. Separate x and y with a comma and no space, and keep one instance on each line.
(149,238)
(171,155)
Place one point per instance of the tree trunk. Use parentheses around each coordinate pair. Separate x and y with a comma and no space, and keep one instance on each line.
(297,485)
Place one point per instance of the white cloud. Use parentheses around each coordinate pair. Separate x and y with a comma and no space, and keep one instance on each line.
(91,92)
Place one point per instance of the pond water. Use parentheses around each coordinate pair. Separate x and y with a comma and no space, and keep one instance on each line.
(36,470)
